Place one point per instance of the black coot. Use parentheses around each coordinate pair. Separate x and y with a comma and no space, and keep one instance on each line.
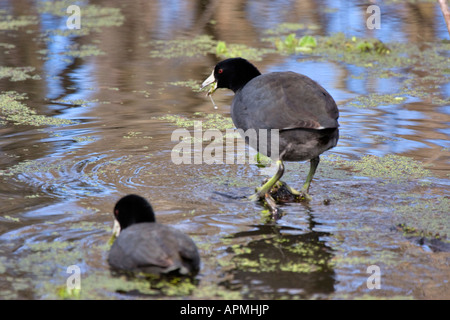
(146,246)
(303,112)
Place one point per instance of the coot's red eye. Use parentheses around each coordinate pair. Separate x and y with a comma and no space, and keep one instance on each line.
(220,71)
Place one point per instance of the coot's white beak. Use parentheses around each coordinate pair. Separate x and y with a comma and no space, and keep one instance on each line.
(115,233)
(210,80)
(116,228)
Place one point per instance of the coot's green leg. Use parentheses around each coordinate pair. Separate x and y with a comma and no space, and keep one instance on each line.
(262,191)
(303,193)
(314,162)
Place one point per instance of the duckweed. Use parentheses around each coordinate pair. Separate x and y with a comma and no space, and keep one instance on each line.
(202,45)
(209,121)
(18,73)
(240,50)
(83,51)
(375,99)
(391,167)
(291,44)
(8,22)
(425,217)
(95,17)
(11,109)
(198,46)
(193,84)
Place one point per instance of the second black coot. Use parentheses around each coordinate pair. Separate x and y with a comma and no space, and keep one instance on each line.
(143,245)
(303,112)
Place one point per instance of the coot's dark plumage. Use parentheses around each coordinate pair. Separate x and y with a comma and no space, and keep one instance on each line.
(146,246)
(303,111)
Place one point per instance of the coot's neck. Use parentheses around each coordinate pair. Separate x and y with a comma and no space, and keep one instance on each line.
(244,77)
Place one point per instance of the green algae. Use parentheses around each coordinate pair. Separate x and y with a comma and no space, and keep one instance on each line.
(288,255)
(13,219)
(379,58)
(208,121)
(78,102)
(391,167)
(8,22)
(203,45)
(224,50)
(94,17)
(13,110)
(376,99)
(194,85)
(369,53)
(291,44)
(425,217)
(198,46)
(18,73)
(135,134)
(83,51)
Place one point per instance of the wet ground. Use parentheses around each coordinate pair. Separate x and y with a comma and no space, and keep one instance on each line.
(87,116)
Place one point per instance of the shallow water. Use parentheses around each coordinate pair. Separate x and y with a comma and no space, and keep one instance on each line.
(379,198)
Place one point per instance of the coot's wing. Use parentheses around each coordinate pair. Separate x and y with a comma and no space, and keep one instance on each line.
(139,247)
(284,100)
(154,248)
(188,252)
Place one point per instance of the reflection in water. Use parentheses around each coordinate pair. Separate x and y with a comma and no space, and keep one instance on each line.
(285,263)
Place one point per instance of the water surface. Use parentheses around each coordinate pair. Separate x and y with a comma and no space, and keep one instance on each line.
(105,93)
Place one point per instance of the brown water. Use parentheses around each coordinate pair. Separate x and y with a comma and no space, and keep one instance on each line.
(59,183)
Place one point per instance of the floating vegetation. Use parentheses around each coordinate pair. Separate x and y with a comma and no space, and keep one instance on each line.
(375,99)
(208,121)
(194,47)
(18,73)
(425,217)
(391,167)
(84,139)
(203,45)
(240,50)
(11,109)
(291,44)
(193,84)
(94,17)
(86,50)
(134,134)
(360,52)
(31,166)
(7,46)
(77,102)
(8,22)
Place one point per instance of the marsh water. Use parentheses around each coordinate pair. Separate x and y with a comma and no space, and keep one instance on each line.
(87,116)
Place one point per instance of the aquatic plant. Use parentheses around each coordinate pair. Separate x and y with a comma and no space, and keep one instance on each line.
(18,73)
(240,50)
(202,45)
(8,22)
(291,44)
(391,167)
(13,110)
(209,121)
(95,17)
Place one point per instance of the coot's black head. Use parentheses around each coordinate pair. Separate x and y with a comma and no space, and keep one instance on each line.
(132,209)
(232,74)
